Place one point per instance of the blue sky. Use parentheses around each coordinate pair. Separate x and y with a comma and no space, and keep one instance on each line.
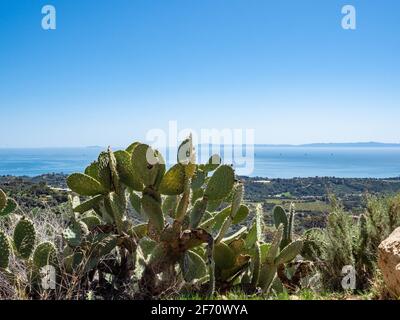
(115,69)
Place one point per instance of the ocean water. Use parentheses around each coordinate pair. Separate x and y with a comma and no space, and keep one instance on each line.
(344,162)
(271,162)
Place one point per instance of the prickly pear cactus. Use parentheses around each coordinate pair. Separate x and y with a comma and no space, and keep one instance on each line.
(182,212)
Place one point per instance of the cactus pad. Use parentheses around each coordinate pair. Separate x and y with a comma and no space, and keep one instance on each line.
(74,234)
(256,265)
(193,266)
(84,185)
(89,204)
(126,172)
(91,220)
(221,183)
(213,163)
(224,257)
(4,251)
(274,248)
(45,254)
(148,164)
(104,170)
(173,182)
(169,206)
(197,213)
(3,200)
(11,205)
(198,179)
(153,210)
(280,216)
(115,208)
(241,214)
(132,147)
(289,252)
(236,199)
(93,170)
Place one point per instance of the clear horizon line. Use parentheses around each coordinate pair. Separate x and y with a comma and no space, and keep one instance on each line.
(312,144)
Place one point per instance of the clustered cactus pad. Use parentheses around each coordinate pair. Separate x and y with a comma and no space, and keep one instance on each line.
(22,245)
(189,212)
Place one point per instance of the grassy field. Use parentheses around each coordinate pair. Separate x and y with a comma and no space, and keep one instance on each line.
(301,205)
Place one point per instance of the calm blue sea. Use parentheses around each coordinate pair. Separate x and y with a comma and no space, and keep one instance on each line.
(271,162)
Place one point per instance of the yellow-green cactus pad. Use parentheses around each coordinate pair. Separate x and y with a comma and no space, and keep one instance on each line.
(220,183)
(84,185)
(224,256)
(132,147)
(93,170)
(126,172)
(173,182)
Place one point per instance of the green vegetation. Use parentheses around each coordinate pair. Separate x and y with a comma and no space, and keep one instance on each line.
(348,240)
(128,228)
(37,192)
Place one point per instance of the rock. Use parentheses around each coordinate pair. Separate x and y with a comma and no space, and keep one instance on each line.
(389,262)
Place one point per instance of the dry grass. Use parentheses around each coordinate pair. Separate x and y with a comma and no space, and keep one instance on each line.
(48,227)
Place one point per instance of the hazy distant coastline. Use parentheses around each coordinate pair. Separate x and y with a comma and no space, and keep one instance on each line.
(371,144)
